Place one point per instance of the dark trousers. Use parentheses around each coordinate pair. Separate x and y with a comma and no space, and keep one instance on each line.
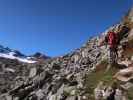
(112,55)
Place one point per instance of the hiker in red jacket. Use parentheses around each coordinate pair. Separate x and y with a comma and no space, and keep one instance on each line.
(112,41)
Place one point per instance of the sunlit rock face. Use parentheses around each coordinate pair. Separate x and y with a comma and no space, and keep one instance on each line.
(60,78)
(130,16)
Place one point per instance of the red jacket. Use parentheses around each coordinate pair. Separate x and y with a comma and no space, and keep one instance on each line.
(112,39)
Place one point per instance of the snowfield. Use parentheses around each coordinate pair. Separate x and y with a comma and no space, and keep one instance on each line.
(11,56)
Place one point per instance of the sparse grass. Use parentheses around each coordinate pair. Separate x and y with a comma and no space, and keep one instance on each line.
(94,78)
(130,94)
(107,77)
(100,75)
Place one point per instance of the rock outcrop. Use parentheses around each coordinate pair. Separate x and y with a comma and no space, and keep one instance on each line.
(59,78)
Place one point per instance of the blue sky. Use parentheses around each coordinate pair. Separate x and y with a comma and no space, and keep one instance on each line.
(55,27)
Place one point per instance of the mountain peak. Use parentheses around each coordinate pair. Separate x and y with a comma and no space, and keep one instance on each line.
(40,55)
(8,53)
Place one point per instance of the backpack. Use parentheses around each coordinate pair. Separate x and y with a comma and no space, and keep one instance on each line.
(112,39)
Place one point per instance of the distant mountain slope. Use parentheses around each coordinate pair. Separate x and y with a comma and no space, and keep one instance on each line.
(8,53)
(73,76)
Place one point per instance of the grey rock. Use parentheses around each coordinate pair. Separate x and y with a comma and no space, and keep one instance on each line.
(71,98)
(33,72)
(127,86)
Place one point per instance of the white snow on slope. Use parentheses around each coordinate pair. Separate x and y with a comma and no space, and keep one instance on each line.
(10,56)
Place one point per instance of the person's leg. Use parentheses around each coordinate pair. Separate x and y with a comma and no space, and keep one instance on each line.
(109,55)
(115,56)
(109,59)
(112,56)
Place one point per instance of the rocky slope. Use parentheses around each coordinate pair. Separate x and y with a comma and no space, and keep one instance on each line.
(66,77)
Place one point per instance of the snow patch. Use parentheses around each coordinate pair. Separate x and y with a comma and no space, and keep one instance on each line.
(10,56)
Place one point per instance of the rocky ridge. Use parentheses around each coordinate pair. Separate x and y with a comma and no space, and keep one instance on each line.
(60,78)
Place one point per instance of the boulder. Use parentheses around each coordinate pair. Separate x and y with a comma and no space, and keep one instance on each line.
(72,98)
(33,72)
(127,85)
(130,34)
(56,66)
(118,95)
(39,94)
(53,97)
(124,74)
(126,63)
(69,89)
(9,70)
(98,91)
